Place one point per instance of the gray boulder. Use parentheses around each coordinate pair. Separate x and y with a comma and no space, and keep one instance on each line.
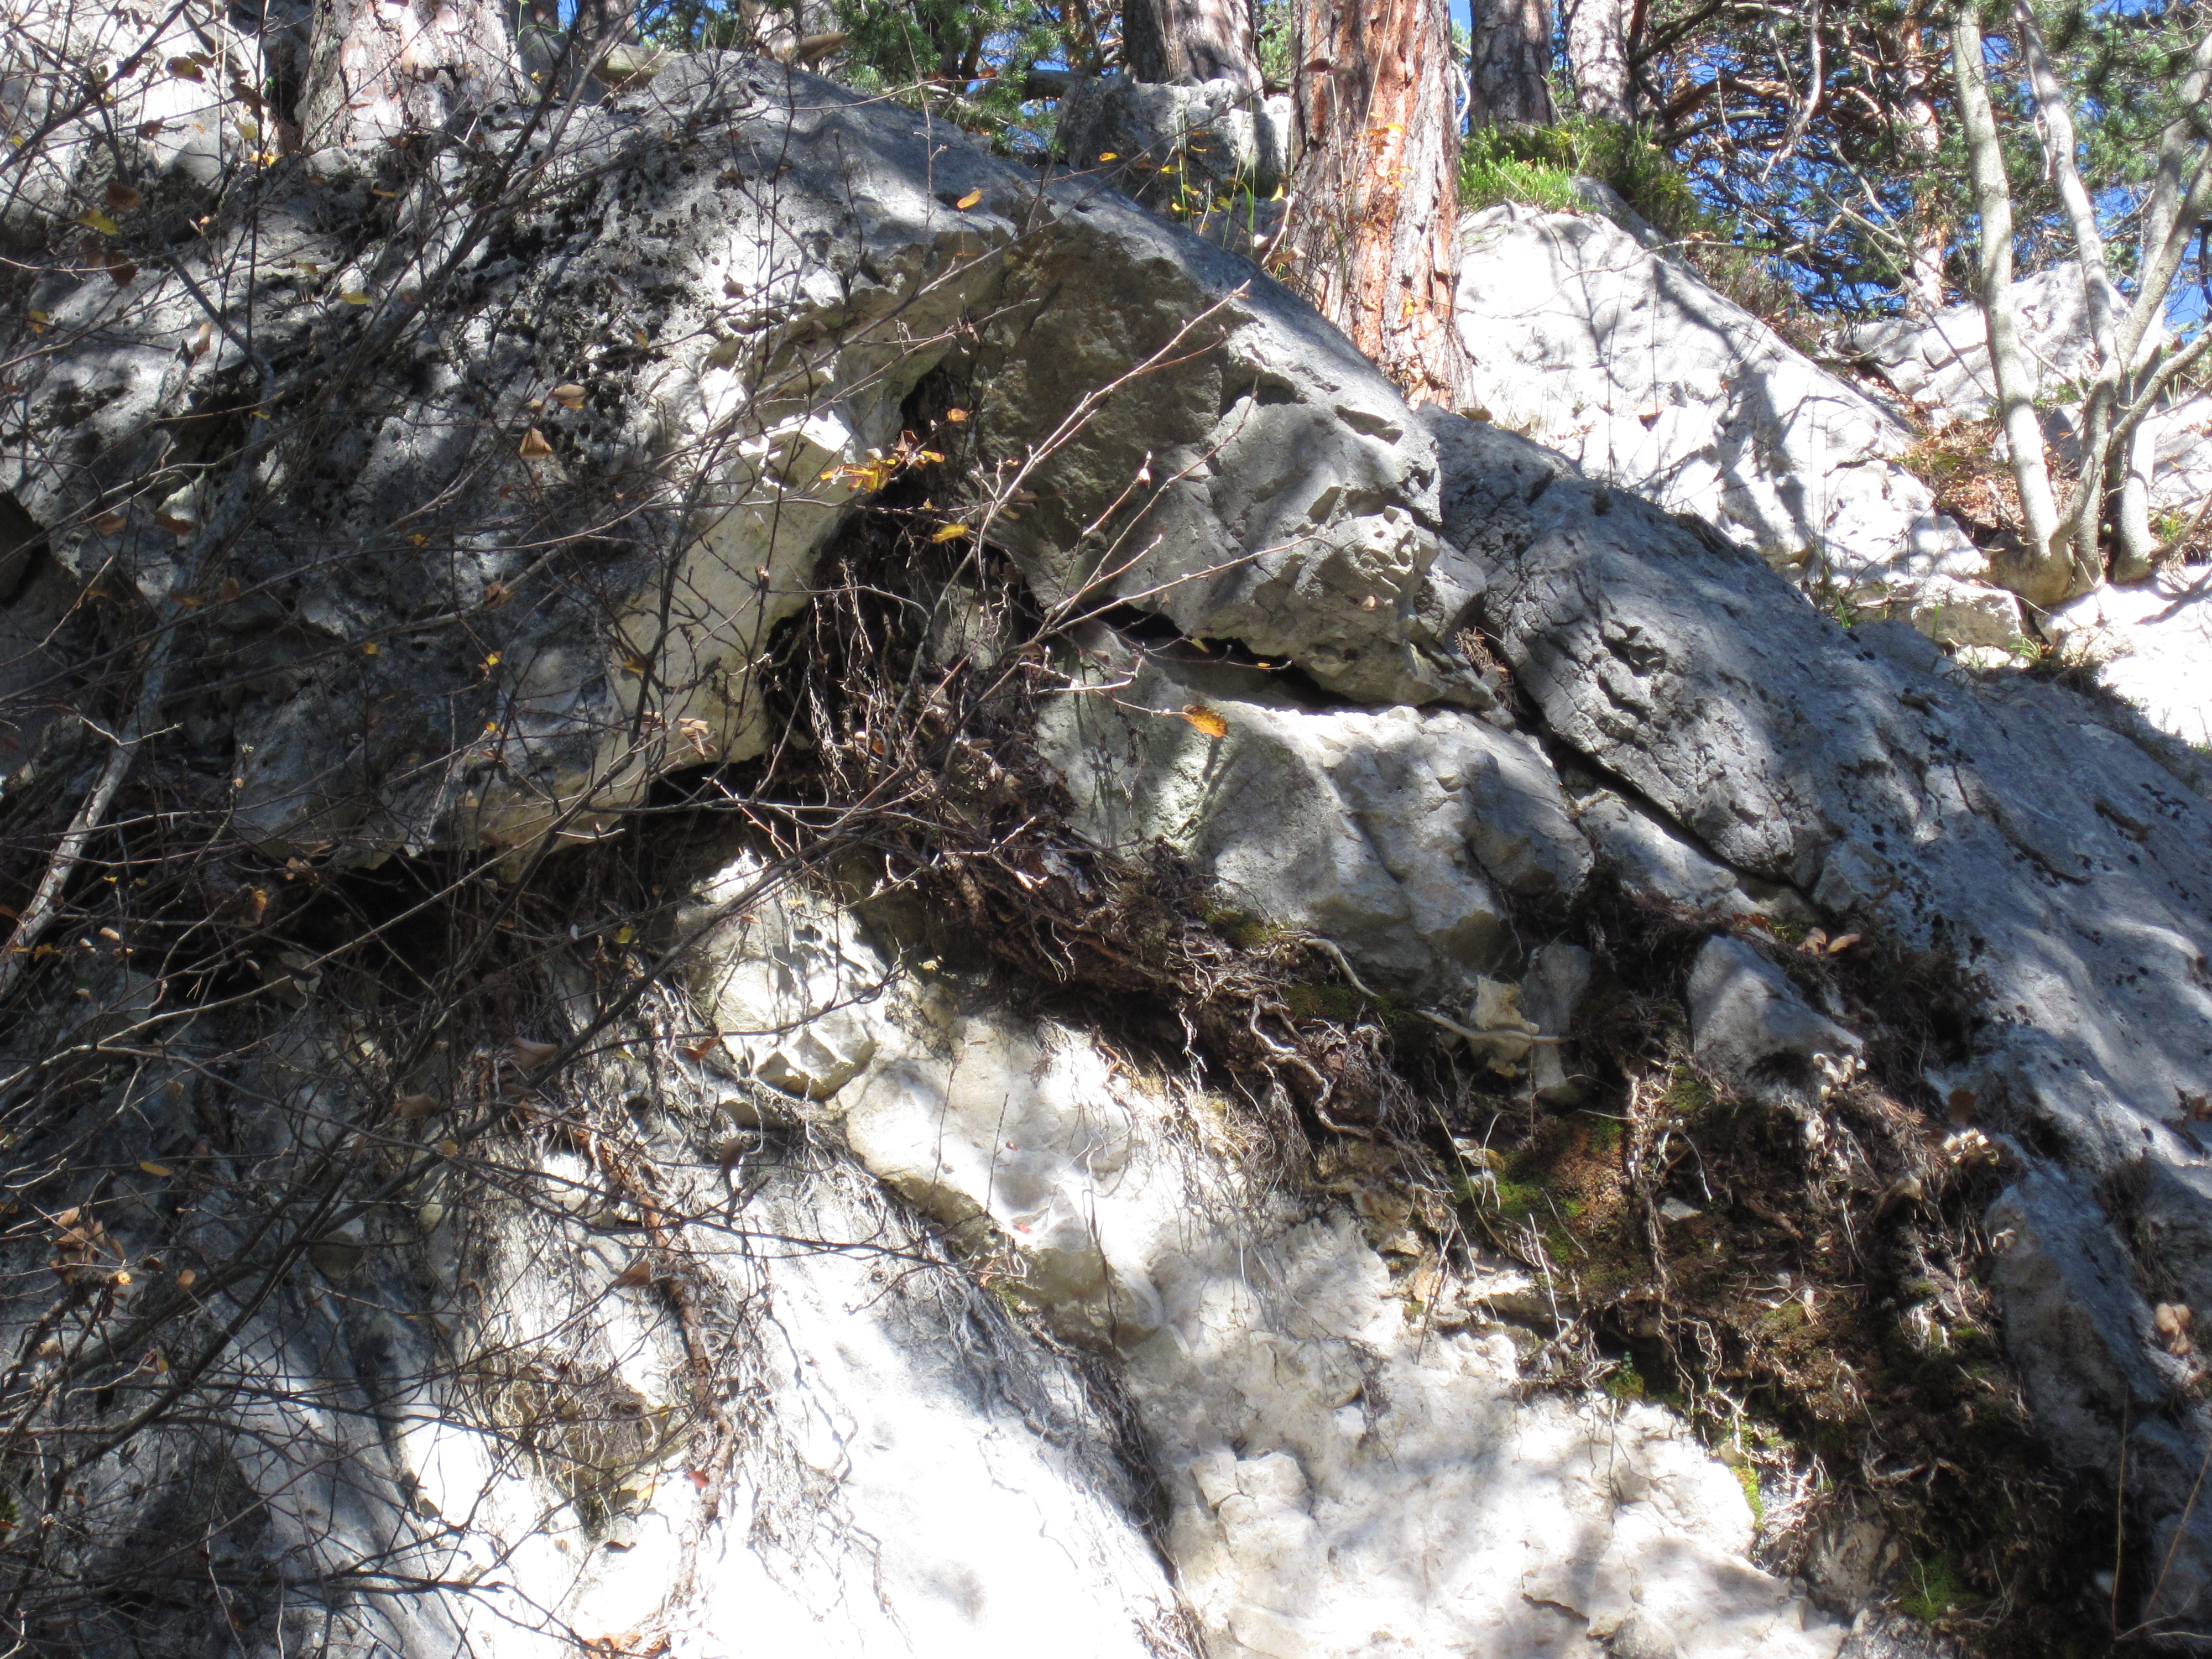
(757,270)
(1750,1027)
(1405,836)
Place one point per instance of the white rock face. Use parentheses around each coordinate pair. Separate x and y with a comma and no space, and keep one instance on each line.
(1631,365)
(2154,644)
(1944,363)
(1345,1475)
(898,1498)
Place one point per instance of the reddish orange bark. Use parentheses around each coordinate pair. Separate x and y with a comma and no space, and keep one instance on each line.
(1375,193)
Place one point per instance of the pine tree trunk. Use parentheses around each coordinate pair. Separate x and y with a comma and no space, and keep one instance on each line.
(1598,54)
(1375,196)
(1921,136)
(379,72)
(1509,63)
(1190,41)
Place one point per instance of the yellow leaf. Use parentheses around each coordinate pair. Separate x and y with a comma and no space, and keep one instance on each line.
(354,296)
(625,934)
(969,200)
(1109,155)
(947,532)
(534,446)
(449,1148)
(94,219)
(955,416)
(1205,719)
(161,1169)
(491,662)
(640,336)
(418,540)
(371,648)
(375,191)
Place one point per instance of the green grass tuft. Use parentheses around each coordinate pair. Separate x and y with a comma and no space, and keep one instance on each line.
(1538,166)
(1931,1589)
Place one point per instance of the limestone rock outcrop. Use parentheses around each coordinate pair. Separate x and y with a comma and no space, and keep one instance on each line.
(1341,1470)
(1624,359)
(724,1344)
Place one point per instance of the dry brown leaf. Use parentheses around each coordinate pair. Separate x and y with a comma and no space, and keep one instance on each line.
(1961,1102)
(1205,719)
(1842,942)
(415,1108)
(121,197)
(529,1055)
(186,1278)
(229,591)
(534,446)
(955,416)
(160,1170)
(569,395)
(108,523)
(638,1274)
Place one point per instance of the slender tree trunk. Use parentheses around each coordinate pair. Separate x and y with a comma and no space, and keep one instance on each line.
(2045,575)
(1510,64)
(1374,197)
(1190,41)
(2085,508)
(2160,212)
(378,71)
(1597,57)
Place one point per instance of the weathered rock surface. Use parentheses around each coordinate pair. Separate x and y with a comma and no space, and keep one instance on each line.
(1629,363)
(2151,644)
(1403,834)
(779,265)
(1857,771)
(759,280)
(1342,1477)
(1751,1027)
